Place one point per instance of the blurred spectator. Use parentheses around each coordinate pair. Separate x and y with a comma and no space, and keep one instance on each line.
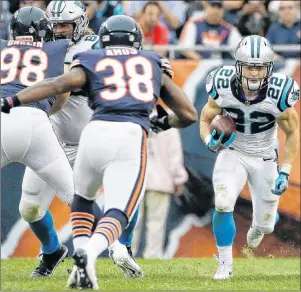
(173,15)
(154,33)
(288,29)
(231,10)
(16,4)
(211,31)
(166,175)
(254,18)
(5,20)
(99,11)
(195,8)
(40,4)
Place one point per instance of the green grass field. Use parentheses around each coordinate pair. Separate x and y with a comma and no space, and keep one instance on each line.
(178,274)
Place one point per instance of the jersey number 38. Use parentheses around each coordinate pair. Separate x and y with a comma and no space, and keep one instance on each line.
(125,79)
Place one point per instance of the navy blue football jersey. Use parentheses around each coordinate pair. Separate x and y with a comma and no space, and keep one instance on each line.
(123,83)
(25,63)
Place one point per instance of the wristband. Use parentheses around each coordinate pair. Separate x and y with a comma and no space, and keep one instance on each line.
(13,101)
(286,168)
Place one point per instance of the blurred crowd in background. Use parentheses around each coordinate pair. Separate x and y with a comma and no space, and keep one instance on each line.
(188,23)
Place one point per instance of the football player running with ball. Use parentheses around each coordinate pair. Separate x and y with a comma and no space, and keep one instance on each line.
(258,101)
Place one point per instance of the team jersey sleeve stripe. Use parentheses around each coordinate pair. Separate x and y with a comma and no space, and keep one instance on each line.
(252,46)
(139,181)
(213,92)
(283,104)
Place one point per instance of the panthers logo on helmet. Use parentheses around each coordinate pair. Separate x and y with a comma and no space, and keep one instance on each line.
(80,4)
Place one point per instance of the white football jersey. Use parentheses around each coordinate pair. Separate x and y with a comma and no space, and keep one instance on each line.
(69,122)
(256,128)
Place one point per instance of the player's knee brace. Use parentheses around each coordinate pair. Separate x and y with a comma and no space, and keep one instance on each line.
(265,229)
(222,199)
(30,211)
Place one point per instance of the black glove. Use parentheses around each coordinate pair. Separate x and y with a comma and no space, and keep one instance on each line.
(7,103)
(5,106)
(166,68)
(159,123)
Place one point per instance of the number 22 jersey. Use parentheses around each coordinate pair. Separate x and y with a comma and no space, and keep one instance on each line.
(256,128)
(122,83)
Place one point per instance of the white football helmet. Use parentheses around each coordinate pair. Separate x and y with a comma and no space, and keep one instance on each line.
(254,50)
(64,12)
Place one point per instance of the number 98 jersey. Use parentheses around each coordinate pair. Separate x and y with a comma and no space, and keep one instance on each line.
(256,128)
(26,63)
(122,83)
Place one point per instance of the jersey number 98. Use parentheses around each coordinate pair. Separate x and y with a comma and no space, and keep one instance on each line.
(126,79)
(24,65)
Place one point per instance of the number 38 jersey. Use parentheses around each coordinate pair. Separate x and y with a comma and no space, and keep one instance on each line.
(122,83)
(256,128)
(26,63)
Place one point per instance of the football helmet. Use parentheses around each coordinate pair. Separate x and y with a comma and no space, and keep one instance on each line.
(254,50)
(31,24)
(73,12)
(121,30)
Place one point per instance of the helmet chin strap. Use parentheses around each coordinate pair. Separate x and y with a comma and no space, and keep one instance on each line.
(253,86)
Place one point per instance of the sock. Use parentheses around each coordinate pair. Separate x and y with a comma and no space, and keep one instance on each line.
(98,214)
(223,228)
(126,237)
(224,232)
(109,229)
(82,220)
(45,232)
(225,254)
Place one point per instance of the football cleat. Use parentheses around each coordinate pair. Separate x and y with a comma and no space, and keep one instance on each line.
(123,258)
(49,262)
(254,237)
(224,271)
(73,280)
(85,276)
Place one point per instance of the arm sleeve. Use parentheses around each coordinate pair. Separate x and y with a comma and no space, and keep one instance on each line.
(210,84)
(290,95)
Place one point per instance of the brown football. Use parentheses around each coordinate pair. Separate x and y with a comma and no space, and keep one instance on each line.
(223,123)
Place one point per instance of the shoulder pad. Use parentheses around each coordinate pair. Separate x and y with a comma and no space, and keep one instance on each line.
(219,80)
(283,90)
(86,43)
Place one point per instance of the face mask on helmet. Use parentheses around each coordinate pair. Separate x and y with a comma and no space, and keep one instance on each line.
(254,62)
(69,19)
(63,30)
(253,77)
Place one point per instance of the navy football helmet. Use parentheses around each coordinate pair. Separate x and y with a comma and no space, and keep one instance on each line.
(31,23)
(120,30)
